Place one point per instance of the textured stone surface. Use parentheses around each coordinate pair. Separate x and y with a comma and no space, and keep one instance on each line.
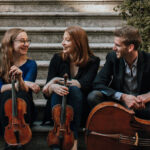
(59,19)
(58,5)
(55,34)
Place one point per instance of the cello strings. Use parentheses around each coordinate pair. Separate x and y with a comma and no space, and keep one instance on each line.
(140,139)
(131,140)
(126,139)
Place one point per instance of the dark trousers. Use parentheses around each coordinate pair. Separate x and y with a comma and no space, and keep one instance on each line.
(74,99)
(96,97)
(29,117)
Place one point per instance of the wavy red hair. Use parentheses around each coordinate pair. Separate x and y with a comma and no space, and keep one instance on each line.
(81,52)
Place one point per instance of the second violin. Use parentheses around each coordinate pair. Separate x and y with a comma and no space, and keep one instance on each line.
(61,135)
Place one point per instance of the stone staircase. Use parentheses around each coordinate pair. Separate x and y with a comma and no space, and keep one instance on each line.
(45,22)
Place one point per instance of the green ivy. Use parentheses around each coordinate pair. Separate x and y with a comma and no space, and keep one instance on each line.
(137,13)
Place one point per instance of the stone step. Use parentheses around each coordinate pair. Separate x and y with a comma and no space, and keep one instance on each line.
(43,68)
(55,34)
(45,64)
(39,95)
(59,19)
(45,51)
(40,108)
(39,102)
(59,5)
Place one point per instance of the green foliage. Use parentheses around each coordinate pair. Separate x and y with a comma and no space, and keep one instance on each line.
(137,14)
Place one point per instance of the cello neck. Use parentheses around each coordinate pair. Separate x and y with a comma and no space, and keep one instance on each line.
(64,101)
(14,99)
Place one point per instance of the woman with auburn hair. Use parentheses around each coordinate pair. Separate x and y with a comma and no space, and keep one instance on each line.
(78,61)
(15,63)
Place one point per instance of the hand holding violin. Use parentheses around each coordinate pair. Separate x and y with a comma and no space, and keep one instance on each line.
(60,89)
(17,73)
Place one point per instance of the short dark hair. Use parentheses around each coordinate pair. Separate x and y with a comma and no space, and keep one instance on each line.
(130,34)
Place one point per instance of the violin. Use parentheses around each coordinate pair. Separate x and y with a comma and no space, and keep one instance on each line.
(111,126)
(61,135)
(17,132)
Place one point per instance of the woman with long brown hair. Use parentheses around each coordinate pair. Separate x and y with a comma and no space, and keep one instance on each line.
(78,61)
(15,63)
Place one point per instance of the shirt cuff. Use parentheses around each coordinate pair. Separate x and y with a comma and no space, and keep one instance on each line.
(117,96)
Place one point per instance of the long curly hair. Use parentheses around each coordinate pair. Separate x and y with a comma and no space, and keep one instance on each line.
(6,52)
(81,52)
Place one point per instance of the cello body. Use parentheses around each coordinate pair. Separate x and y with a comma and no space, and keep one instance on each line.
(17,132)
(110,126)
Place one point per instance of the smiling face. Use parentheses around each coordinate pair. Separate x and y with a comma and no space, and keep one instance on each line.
(21,44)
(120,48)
(67,43)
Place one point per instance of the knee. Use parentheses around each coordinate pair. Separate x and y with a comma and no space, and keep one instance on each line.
(7,94)
(91,97)
(74,89)
(55,99)
(75,94)
(94,98)
(22,93)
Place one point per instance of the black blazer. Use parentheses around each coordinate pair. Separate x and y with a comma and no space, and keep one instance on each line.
(85,75)
(110,78)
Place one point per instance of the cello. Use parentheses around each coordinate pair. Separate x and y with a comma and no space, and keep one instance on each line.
(61,135)
(17,132)
(111,126)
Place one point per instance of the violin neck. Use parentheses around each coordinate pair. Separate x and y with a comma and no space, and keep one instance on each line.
(14,100)
(64,101)
(63,110)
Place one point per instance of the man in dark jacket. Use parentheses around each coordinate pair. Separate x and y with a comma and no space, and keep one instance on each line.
(125,77)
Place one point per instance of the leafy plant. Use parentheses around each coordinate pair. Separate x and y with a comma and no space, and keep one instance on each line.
(137,14)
